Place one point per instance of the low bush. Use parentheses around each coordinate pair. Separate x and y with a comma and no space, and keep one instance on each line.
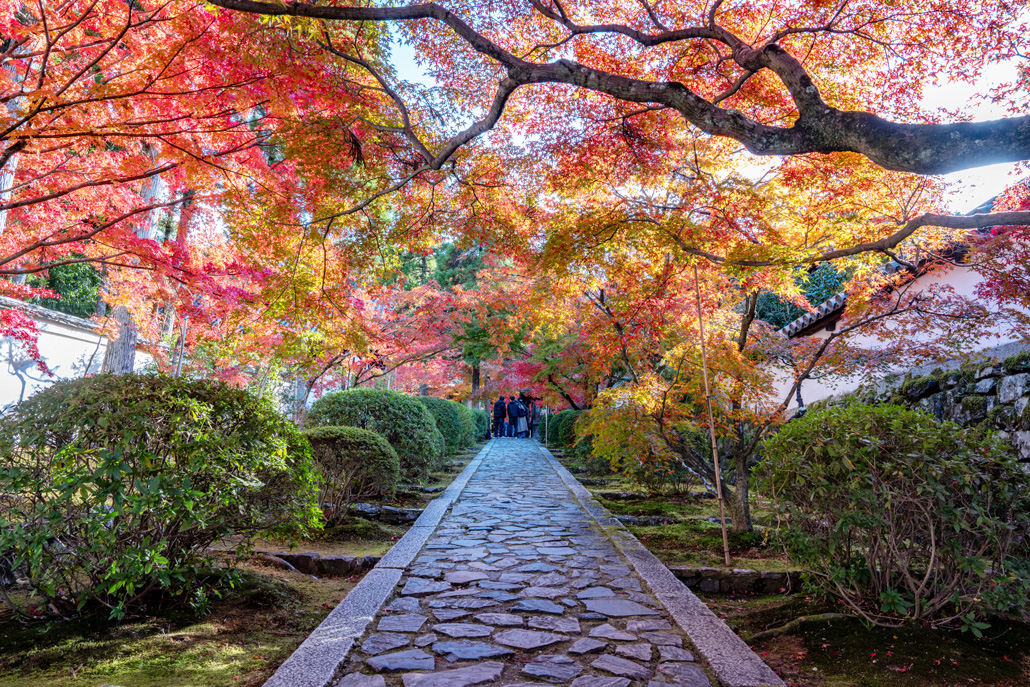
(448,420)
(468,426)
(402,420)
(565,433)
(554,426)
(352,463)
(441,448)
(113,489)
(482,424)
(901,518)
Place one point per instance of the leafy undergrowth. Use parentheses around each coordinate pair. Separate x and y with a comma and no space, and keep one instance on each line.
(848,653)
(249,632)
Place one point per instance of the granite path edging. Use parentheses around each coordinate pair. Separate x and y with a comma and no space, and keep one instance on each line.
(732,660)
(316,662)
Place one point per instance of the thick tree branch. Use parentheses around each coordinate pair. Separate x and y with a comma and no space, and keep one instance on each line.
(917,148)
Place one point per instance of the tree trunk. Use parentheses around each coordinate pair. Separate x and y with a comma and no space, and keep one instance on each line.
(120,356)
(735,509)
(741,496)
(475,378)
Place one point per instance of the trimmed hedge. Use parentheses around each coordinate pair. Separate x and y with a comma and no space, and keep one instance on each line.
(561,432)
(468,426)
(113,489)
(448,420)
(352,462)
(441,447)
(553,426)
(400,419)
(482,424)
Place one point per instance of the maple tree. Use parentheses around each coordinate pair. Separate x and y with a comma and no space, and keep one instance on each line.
(263,191)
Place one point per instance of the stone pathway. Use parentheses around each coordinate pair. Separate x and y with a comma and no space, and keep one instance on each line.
(519,584)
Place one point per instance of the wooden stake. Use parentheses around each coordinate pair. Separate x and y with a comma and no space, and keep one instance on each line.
(711,421)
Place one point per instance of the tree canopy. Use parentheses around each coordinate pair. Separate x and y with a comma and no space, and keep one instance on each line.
(568,194)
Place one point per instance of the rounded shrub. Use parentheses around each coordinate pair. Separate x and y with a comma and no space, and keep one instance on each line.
(114,488)
(901,518)
(468,426)
(554,427)
(400,419)
(448,420)
(352,462)
(565,434)
(482,421)
(441,447)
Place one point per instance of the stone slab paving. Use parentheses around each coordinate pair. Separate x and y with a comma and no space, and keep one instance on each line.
(518,577)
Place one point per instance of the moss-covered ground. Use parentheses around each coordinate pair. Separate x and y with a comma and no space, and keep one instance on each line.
(848,653)
(248,633)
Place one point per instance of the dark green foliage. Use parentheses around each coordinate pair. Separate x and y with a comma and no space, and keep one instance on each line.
(583,453)
(441,447)
(113,488)
(817,285)
(448,420)
(448,265)
(400,419)
(468,426)
(77,284)
(554,427)
(900,518)
(669,474)
(457,266)
(565,432)
(482,423)
(352,462)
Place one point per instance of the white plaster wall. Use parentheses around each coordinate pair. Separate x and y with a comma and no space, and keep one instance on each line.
(963,281)
(67,344)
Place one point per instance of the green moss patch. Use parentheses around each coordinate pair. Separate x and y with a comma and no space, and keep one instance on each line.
(1017,363)
(698,543)
(246,636)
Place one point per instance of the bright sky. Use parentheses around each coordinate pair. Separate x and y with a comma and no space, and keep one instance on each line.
(971,187)
(974,186)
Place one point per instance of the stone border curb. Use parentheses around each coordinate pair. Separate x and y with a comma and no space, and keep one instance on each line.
(733,661)
(317,660)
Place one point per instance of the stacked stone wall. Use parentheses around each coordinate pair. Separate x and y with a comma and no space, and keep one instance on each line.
(995,395)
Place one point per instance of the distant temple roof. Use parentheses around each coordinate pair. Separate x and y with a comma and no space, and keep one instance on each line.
(822,312)
(834,307)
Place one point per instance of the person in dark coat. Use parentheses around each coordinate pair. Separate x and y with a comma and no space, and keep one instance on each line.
(500,411)
(513,416)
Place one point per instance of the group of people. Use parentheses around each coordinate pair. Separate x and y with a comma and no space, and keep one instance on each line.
(512,419)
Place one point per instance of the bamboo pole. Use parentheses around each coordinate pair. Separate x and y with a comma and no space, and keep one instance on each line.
(711,420)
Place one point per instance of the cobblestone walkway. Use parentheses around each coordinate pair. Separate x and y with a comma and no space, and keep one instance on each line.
(519,584)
